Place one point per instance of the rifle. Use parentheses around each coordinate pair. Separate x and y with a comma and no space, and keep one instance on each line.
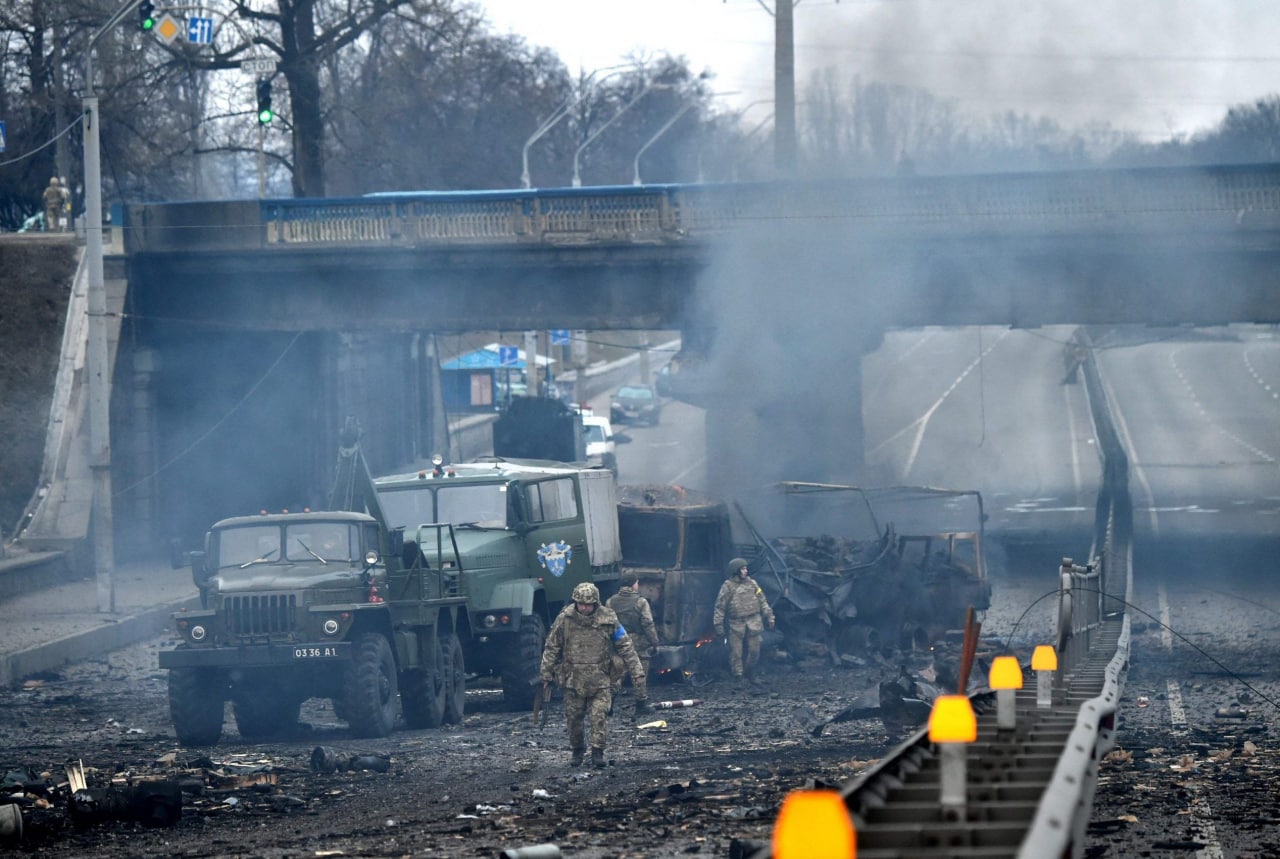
(540,699)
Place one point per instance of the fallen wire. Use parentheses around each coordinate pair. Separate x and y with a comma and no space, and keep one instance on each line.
(1239,678)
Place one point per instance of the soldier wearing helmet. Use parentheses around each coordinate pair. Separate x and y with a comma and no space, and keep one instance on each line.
(53,206)
(742,604)
(579,657)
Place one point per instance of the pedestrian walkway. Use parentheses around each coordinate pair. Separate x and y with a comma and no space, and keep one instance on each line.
(44,629)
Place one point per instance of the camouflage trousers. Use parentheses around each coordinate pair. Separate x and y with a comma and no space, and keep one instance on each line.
(745,634)
(579,707)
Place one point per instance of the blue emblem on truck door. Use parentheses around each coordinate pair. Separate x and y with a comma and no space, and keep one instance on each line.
(554,557)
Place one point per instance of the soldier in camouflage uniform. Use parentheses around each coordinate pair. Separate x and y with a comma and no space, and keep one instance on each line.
(636,616)
(579,656)
(742,603)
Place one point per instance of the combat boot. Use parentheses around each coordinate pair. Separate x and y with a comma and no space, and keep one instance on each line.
(576,760)
(597,758)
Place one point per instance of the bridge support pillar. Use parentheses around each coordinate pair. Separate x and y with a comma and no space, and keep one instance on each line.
(806,425)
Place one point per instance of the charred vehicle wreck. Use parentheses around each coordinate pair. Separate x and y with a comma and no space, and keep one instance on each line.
(849,571)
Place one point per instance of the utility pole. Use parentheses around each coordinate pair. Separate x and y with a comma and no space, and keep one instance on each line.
(98,370)
(784,88)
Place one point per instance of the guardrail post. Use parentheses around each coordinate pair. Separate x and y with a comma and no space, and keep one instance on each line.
(1044,662)
(952,726)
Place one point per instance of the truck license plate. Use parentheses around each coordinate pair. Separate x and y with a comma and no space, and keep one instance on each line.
(315,652)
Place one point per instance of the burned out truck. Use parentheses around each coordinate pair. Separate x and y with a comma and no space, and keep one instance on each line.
(846,569)
(677,542)
(453,569)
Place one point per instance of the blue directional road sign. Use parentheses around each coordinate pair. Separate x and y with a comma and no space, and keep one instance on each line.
(559,336)
(2,136)
(200,31)
(508,356)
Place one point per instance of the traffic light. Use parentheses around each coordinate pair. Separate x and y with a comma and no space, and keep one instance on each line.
(146,15)
(265,113)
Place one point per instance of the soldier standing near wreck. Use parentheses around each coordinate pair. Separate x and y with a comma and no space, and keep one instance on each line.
(636,616)
(579,656)
(742,604)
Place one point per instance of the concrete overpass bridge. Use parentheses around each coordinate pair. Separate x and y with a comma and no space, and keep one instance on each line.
(251,328)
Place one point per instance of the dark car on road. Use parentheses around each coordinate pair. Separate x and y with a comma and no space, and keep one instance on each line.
(635,404)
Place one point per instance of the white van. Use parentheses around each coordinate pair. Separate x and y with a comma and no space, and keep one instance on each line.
(600,443)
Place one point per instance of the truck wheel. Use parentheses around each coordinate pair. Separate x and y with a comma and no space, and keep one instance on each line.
(262,715)
(455,680)
(369,687)
(196,701)
(524,661)
(426,692)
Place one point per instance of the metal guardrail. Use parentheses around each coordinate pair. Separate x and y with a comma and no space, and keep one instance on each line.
(1029,790)
(1221,198)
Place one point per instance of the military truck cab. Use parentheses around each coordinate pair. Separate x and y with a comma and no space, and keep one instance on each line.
(527,532)
(317,605)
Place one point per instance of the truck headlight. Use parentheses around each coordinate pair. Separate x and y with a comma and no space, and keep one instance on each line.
(330,626)
(198,633)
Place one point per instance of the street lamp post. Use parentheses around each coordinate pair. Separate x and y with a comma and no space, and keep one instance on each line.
(99,372)
(577,155)
(635,180)
(561,112)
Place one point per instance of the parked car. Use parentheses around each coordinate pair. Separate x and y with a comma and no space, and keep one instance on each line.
(635,403)
(600,442)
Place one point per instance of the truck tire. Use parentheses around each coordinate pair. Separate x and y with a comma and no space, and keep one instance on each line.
(455,680)
(523,663)
(197,698)
(425,692)
(261,714)
(370,690)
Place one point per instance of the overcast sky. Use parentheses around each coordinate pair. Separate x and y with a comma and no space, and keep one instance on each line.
(1155,67)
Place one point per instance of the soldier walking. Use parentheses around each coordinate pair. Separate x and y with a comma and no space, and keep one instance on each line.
(742,604)
(636,616)
(579,657)
(53,201)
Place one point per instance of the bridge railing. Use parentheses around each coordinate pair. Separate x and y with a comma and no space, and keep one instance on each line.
(1230,198)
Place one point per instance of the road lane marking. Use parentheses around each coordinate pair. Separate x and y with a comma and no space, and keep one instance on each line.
(1203,814)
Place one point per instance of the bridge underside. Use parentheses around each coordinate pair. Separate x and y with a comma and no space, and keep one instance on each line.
(1112,278)
(777,317)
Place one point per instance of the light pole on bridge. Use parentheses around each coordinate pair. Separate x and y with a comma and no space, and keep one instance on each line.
(589,87)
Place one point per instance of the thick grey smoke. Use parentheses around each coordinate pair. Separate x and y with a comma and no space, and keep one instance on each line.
(1152,66)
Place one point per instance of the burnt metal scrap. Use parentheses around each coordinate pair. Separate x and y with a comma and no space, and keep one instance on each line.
(880,590)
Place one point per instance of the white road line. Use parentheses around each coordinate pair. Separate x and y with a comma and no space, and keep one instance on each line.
(1071,438)
(700,462)
(1208,836)
(1166,628)
(1177,714)
(921,423)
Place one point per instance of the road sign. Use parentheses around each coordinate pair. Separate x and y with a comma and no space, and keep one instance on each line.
(258,67)
(559,336)
(167,28)
(508,356)
(200,31)
(2,135)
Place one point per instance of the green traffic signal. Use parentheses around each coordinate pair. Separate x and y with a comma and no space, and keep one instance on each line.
(265,113)
(146,15)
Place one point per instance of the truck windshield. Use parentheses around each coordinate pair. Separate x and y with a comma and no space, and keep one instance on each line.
(480,505)
(240,547)
(318,541)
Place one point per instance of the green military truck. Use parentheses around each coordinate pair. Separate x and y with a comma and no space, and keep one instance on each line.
(527,532)
(455,569)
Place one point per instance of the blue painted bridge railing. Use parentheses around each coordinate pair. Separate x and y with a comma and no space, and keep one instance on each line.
(1232,198)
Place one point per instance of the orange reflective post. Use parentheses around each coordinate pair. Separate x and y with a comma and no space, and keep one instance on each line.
(814,824)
